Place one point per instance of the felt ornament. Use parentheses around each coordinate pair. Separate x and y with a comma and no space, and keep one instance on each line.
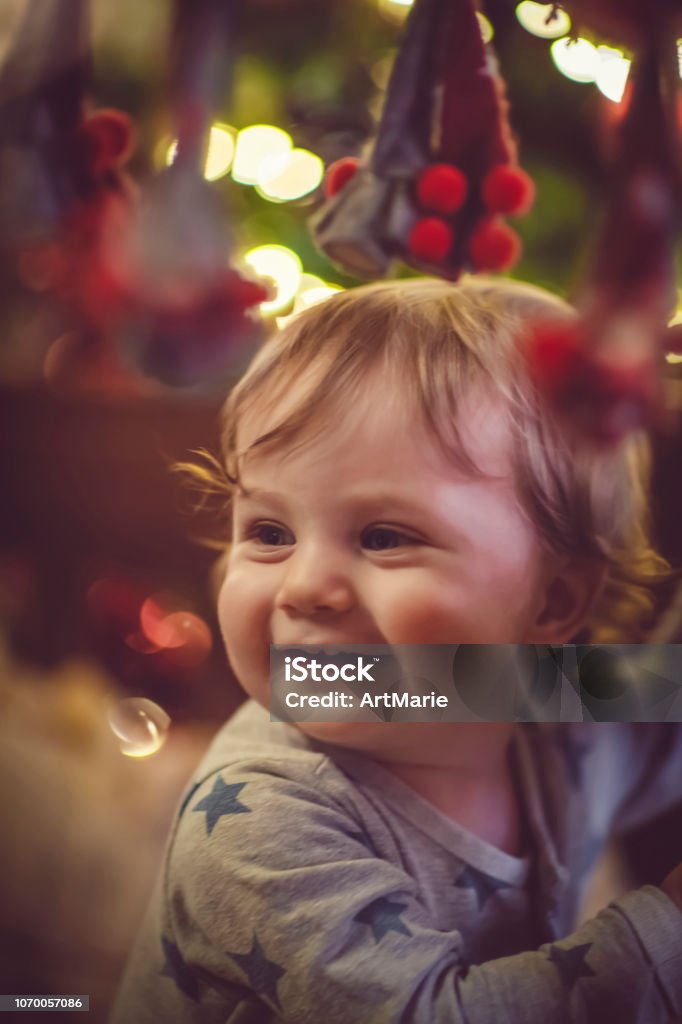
(603,372)
(417,196)
(182,314)
(141,276)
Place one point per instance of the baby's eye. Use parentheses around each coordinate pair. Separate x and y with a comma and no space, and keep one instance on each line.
(384,538)
(270,535)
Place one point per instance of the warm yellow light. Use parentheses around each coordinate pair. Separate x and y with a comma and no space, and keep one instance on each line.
(289,175)
(283,267)
(612,73)
(675,357)
(255,144)
(487,31)
(542,20)
(314,289)
(396,10)
(576,59)
(220,151)
(218,155)
(679,56)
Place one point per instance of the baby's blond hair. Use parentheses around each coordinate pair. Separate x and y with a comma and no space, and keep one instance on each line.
(438,341)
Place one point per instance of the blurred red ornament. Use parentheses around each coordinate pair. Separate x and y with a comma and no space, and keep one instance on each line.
(442,188)
(508,190)
(338,173)
(107,139)
(601,398)
(494,246)
(431,239)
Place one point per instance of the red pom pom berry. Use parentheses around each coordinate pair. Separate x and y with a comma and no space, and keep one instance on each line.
(430,239)
(509,190)
(109,139)
(442,188)
(339,173)
(556,355)
(494,246)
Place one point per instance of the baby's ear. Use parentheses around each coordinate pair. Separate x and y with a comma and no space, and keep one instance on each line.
(569,597)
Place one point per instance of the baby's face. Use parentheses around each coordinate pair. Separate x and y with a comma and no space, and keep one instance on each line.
(368,534)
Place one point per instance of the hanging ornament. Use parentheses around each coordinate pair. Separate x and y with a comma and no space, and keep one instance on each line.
(141,278)
(181,311)
(43,168)
(61,172)
(603,372)
(442,164)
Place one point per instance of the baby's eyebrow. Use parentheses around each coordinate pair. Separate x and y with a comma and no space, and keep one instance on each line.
(258,494)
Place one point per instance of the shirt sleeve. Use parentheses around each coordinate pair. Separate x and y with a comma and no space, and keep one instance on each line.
(274,888)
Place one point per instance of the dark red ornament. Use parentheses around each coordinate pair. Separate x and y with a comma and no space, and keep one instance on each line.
(431,239)
(508,190)
(494,246)
(107,140)
(338,174)
(442,188)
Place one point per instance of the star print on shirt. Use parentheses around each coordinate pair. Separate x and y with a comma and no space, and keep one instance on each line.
(570,963)
(221,800)
(383,916)
(176,968)
(263,974)
(484,886)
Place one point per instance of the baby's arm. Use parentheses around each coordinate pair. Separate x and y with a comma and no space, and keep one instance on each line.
(274,890)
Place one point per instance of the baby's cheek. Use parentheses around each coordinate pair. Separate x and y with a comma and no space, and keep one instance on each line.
(243,612)
(418,614)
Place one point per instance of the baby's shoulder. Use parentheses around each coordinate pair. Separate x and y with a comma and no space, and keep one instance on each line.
(259,777)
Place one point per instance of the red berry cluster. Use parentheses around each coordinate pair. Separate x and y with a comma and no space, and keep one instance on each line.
(441,190)
(603,400)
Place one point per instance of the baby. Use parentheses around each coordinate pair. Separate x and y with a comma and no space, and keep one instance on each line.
(396,481)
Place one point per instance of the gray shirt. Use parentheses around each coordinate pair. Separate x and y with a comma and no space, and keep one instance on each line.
(305,883)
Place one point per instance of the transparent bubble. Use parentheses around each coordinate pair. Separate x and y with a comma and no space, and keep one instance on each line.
(140,725)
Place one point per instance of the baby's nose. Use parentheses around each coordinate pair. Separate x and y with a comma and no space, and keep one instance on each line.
(316,582)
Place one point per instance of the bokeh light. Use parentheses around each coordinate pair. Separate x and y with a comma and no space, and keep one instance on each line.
(220,152)
(140,725)
(577,59)
(166,626)
(487,31)
(284,268)
(256,143)
(675,357)
(289,175)
(395,10)
(312,289)
(314,294)
(612,73)
(543,20)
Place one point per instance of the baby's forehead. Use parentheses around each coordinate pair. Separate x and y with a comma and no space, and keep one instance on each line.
(385,426)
